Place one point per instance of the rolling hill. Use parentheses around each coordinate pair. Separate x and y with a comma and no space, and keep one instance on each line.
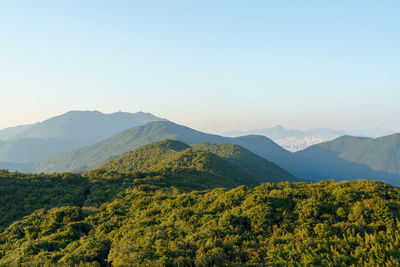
(262,169)
(95,155)
(187,166)
(158,154)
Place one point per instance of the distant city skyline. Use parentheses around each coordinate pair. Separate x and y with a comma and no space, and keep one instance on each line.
(214,66)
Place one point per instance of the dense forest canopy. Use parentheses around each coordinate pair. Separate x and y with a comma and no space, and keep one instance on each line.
(190,208)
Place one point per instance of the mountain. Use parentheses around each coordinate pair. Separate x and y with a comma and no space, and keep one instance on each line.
(374,132)
(262,169)
(292,139)
(188,166)
(146,158)
(85,127)
(9,133)
(27,150)
(349,157)
(72,130)
(95,155)
(20,167)
(158,154)
(296,140)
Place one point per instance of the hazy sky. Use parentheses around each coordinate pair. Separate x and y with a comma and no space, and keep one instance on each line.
(212,65)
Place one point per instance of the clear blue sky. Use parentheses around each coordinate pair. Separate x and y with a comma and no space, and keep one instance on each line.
(211,65)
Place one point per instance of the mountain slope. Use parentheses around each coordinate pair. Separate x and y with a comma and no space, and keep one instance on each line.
(72,130)
(27,150)
(296,140)
(262,169)
(86,127)
(350,157)
(20,167)
(95,155)
(146,158)
(187,166)
(9,133)
(380,154)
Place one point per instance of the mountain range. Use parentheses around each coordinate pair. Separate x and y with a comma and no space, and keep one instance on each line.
(238,163)
(66,146)
(95,155)
(296,140)
(36,142)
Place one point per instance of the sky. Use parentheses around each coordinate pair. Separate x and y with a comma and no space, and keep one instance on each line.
(211,65)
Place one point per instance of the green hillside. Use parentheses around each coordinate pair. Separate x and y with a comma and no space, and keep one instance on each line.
(321,224)
(96,155)
(148,157)
(262,169)
(380,154)
(350,157)
(191,167)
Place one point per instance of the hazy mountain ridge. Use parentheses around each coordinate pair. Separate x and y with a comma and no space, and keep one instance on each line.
(10,132)
(69,131)
(317,162)
(350,158)
(95,155)
(296,140)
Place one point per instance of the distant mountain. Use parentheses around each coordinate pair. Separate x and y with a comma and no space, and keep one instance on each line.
(85,127)
(72,130)
(95,155)
(349,157)
(27,150)
(262,169)
(291,139)
(296,140)
(186,165)
(374,133)
(20,167)
(9,133)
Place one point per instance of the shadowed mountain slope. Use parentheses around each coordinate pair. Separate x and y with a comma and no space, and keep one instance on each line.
(350,157)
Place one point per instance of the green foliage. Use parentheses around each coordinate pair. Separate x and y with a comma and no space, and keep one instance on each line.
(327,223)
(21,194)
(262,169)
(192,168)
(164,205)
(349,157)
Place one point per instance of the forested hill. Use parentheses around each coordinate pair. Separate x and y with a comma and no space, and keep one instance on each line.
(159,155)
(143,222)
(189,167)
(262,169)
(96,155)
(351,157)
(169,204)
